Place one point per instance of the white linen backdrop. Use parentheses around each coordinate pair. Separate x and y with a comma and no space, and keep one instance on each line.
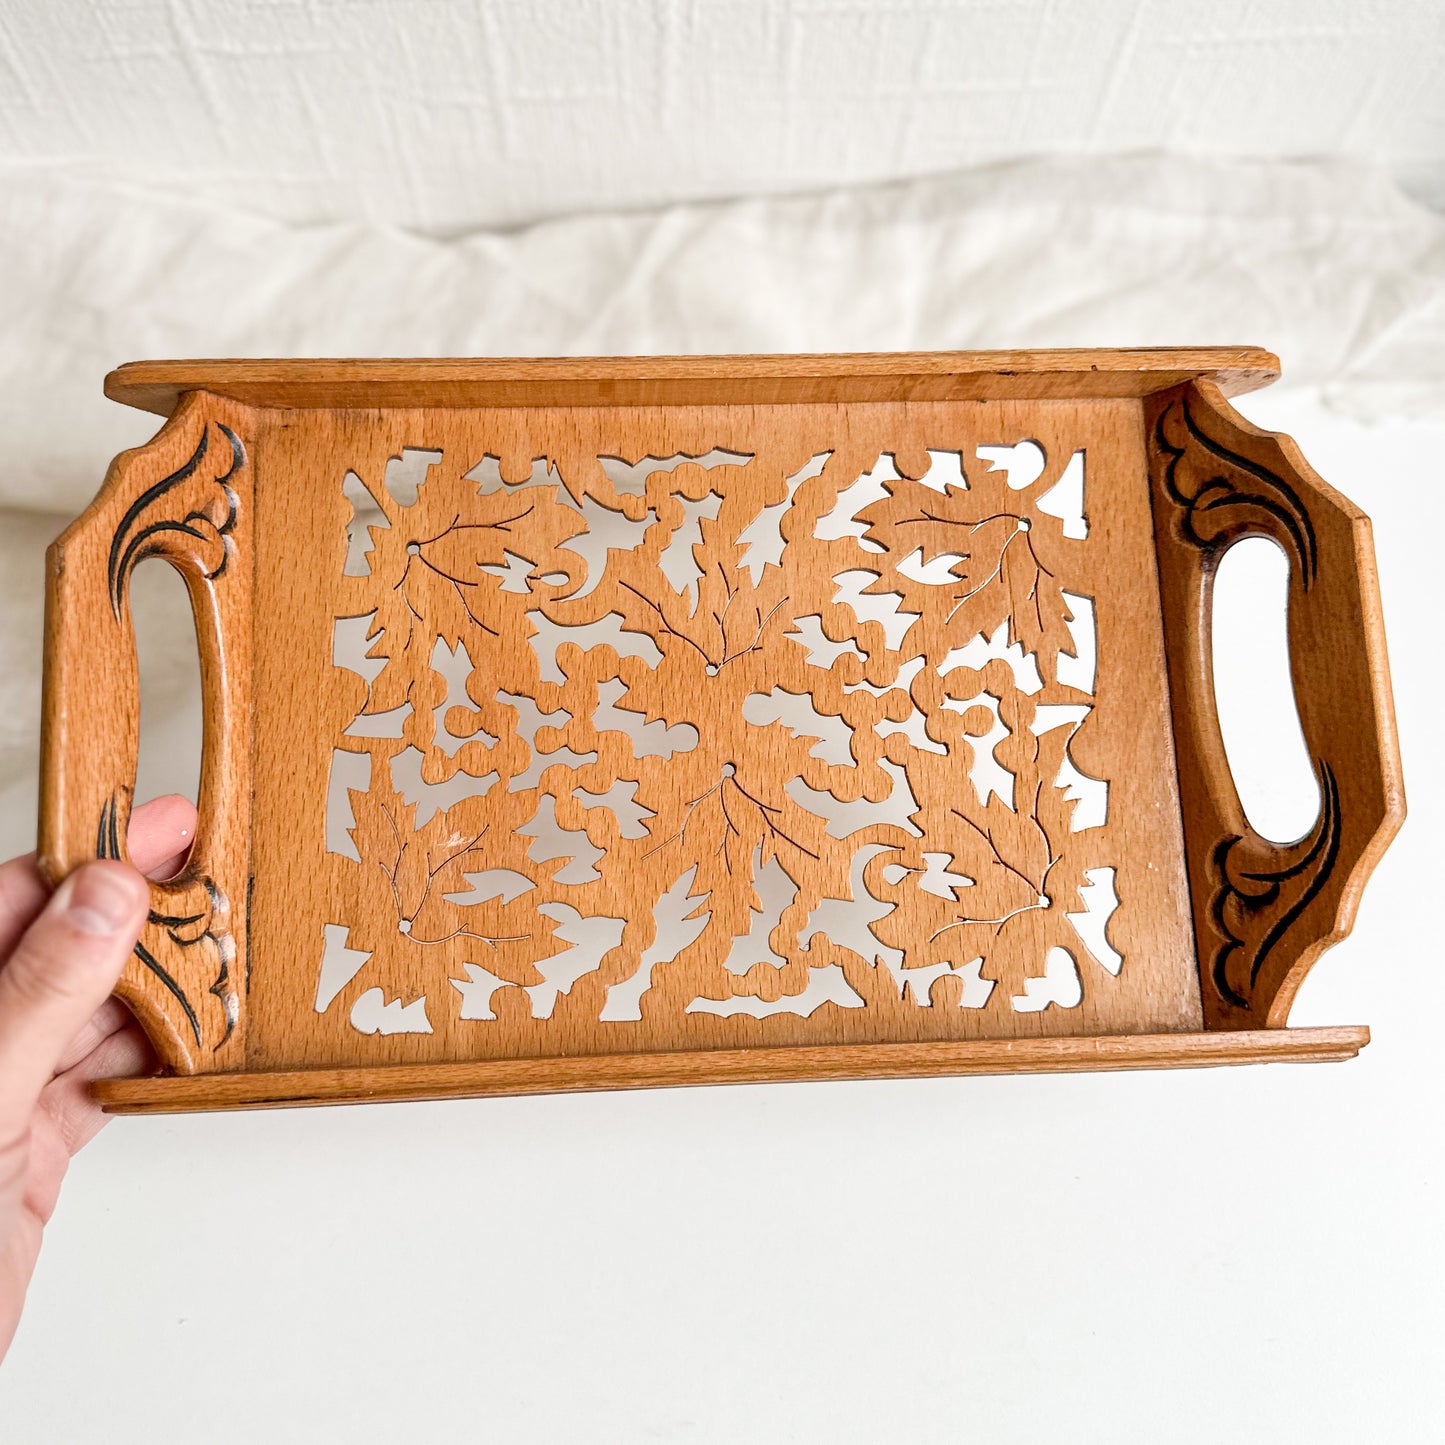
(1253,1254)
(447,118)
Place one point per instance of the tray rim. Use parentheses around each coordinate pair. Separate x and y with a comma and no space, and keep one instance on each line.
(683,1068)
(355,392)
(722,380)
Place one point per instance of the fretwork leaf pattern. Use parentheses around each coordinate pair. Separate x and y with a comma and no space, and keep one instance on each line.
(826,676)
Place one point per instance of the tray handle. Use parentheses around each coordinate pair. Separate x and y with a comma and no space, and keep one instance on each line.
(184,497)
(1263,911)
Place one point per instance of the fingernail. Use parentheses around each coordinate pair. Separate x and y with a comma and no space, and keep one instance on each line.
(100,901)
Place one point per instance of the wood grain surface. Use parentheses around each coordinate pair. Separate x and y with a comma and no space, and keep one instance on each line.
(727,813)
(741,1066)
(693,380)
(587,724)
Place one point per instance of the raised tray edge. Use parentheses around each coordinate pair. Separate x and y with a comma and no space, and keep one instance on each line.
(196,1092)
(156,386)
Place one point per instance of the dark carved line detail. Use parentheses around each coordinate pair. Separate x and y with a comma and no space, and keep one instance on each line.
(1219,493)
(1318,860)
(127,546)
(130,543)
(107,845)
(138,506)
(238,453)
(107,833)
(250,893)
(172,922)
(1276,499)
(150,961)
(227,998)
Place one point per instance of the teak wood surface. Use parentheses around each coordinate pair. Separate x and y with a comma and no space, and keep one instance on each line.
(704,890)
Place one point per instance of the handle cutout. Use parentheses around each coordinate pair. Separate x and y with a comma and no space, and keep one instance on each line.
(171,743)
(1254,694)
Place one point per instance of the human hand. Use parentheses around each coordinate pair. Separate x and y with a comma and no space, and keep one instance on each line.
(60,956)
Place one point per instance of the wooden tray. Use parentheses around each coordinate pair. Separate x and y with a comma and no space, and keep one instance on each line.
(590,724)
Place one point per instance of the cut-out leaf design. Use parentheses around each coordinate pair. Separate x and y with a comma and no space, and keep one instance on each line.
(630,478)
(844,819)
(1090,796)
(651,737)
(771,893)
(530,720)
(625,636)
(679,559)
(1079,669)
(588,940)
(374,1013)
(442,569)
(339,964)
(1101,902)
(603,532)
(1065,499)
(1021,463)
(894,617)
(1003,575)
(621,802)
(409,872)
(848,917)
(869,488)
(798,713)
(762,539)
(477,988)
(986,730)
(679,917)
(489,883)
(456,710)
(730,618)
(740,823)
(825,985)
(430,798)
(937,878)
(407,473)
(489,475)
(757,737)
(979,651)
(1060,985)
(821,649)
(553,841)
(365,515)
(514,574)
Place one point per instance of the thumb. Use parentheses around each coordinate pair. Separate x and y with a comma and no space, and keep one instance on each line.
(63,968)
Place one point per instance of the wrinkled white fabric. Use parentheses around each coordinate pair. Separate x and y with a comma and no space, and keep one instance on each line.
(1325,263)
(445,117)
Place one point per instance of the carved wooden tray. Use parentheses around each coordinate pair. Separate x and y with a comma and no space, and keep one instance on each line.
(586,724)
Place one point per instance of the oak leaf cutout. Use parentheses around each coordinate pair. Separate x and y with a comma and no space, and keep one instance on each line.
(720,617)
(410,870)
(441,576)
(1002,575)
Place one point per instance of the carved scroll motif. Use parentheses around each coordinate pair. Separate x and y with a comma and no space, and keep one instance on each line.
(1250,894)
(188,993)
(177,948)
(1222,494)
(151,527)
